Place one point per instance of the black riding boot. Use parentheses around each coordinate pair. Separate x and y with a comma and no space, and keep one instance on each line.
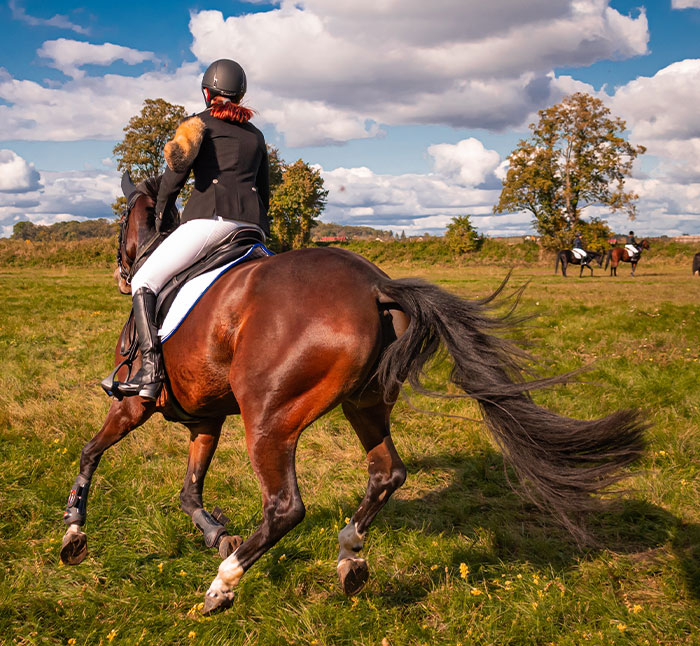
(148,380)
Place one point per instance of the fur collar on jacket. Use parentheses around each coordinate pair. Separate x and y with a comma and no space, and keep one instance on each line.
(183,148)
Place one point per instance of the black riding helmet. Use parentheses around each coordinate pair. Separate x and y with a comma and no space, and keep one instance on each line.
(224,78)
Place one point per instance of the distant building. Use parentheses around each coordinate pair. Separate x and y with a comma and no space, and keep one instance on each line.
(334,238)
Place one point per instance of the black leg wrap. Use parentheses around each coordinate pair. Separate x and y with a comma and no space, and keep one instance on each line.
(77,502)
(212,529)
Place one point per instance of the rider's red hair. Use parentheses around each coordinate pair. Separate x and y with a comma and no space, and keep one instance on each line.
(230,111)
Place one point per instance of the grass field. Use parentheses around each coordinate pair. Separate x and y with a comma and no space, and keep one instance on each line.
(455,557)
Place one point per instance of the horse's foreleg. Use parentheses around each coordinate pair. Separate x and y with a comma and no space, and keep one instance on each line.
(204,438)
(123,417)
(386,474)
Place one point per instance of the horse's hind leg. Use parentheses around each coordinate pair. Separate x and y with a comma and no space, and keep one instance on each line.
(123,417)
(272,441)
(386,474)
(204,438)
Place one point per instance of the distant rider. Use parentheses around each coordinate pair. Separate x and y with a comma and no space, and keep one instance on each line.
(578,249)
(632,245)
(228,157)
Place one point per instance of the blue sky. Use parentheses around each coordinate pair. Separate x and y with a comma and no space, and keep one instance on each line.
(409,109)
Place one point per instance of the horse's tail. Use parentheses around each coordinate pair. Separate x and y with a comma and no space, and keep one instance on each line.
(556,264)
(562,461)
(608,256)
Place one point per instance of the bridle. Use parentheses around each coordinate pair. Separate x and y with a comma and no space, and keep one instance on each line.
(125,274)
(134,264)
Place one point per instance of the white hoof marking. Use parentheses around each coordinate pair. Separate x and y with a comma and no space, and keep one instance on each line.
(350,541)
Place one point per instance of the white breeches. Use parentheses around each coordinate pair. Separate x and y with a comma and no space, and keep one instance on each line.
(631,249)
(181,249)
(579,253)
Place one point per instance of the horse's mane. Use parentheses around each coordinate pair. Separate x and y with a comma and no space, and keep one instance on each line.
(150,186)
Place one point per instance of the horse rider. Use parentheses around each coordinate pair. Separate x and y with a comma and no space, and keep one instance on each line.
(577,248)
(228,156)
(632,245)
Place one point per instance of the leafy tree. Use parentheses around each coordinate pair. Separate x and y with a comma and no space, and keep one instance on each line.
(295,205)
(595,234)
(277,167)
(461,236)
(577,156)
(141,150)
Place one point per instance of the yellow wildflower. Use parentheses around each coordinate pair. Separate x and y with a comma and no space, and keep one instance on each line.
(191,634)
(433,567)
(534,605)
(111,635)
(71,641)
(347,520)
(621,627)
(475,592)
(463,570)
(182,573)
(636,609)
(160,567)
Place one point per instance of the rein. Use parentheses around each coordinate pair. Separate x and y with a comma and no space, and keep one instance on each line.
(134,264)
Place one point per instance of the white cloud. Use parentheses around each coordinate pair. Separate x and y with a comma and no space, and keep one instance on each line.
(72,195)
(685,4)
(412,202)
(58,20)
(69,55)
(467,163)
(661,114)
(90,107)
(16,175)
(323,72)
(463,64)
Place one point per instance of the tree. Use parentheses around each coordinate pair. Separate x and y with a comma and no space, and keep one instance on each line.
(576,157)
(295,205)
(595,234)
(277,167)
(141,150)
(461,236)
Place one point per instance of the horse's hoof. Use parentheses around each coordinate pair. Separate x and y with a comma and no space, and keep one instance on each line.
(228,545)
(74,548)
(353,574)
(216,602)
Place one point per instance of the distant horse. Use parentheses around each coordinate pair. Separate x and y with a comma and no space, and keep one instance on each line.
(284,340)
(568,257)
(696,264)
(620,254)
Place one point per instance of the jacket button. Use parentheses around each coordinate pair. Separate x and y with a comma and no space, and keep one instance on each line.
(215,181)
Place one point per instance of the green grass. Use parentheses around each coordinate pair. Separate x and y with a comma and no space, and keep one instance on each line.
(527,582)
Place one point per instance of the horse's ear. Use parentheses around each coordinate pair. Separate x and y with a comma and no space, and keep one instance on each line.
(127,184)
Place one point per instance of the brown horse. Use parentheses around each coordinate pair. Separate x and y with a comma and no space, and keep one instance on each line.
(620,254)
(283,340)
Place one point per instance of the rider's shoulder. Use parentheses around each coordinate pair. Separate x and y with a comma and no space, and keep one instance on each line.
(182,149)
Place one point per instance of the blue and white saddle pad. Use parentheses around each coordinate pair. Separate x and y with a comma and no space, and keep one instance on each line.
(193,290)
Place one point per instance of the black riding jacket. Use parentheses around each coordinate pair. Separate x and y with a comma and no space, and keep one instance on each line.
(230,166)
